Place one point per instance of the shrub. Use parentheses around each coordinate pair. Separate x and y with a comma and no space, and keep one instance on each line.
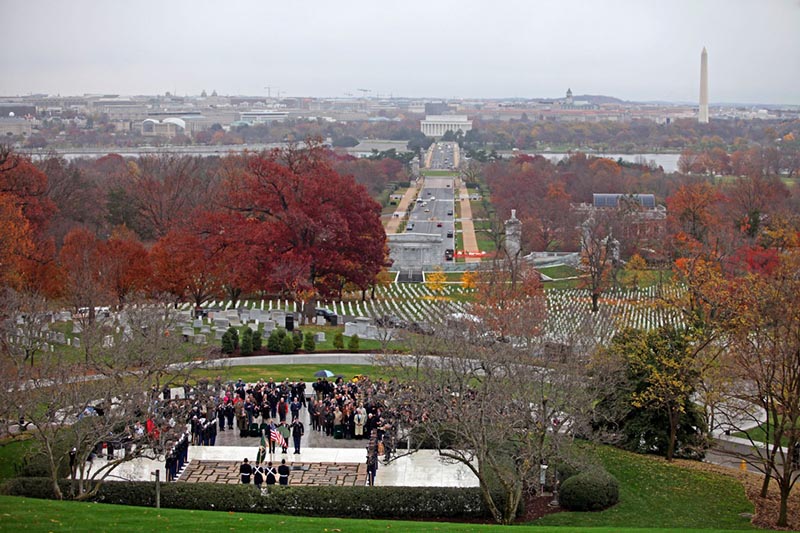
(297,337)
(592,490)
(257,340)
(287,344)
(227,342)
(352,344)
(234,336)
(275,340)
(351,502)
(247,342)
(309,344)
(338,341)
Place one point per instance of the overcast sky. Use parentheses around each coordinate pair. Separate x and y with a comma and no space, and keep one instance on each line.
(631,49)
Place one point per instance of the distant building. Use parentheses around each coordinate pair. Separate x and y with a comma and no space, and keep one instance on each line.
(14,126)
(640,224)
(438,125)
(570,103)
(702,116)
(262,116)
(18,110)
(169,127)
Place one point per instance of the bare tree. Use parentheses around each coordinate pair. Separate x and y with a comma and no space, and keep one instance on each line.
(78,405)
(492,399)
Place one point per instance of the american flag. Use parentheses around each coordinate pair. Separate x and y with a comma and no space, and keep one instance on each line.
(277,437)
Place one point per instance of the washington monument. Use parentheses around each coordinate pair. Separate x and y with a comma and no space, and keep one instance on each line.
(703,116)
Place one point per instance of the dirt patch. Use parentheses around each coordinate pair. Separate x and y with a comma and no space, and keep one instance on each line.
(537,507)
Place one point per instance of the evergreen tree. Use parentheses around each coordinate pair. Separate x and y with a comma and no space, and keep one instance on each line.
(247,342)
(287,344)
(234,336)
(297,337)
(309,344)
(338,341)
(275,340)
(352,344)
(227,343)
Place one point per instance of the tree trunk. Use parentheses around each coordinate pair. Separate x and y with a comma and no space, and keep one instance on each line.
(673,433)
(595,298)
(783,517)
(765,483)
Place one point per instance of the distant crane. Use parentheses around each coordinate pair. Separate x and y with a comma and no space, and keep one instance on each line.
(269,91)
(365,91)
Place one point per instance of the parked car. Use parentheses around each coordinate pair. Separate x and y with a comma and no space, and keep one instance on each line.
(390,321)
(422,328)
(327,313)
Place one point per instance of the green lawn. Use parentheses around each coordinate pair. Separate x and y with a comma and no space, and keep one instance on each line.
(439,173)
(654,493)
(251,373)
(28,514)
(560,271)
(759,434)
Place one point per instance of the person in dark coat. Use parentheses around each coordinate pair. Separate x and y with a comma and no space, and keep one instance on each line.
(283,473)
(271,474)
(258,476)
(245,470)
(297,433)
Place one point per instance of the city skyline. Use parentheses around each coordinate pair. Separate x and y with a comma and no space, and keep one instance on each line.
(636,51)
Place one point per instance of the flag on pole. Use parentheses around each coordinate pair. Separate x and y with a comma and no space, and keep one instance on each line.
(277,437)
(262,450)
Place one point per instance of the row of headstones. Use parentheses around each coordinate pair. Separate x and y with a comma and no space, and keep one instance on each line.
(566,310)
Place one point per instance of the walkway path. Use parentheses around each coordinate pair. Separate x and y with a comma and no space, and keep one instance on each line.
(467,226)
(400,212)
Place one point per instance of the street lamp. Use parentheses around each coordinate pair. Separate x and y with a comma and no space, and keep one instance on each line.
(542,476)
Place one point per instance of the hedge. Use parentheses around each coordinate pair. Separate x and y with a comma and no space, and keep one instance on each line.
(593,490)
(349,502)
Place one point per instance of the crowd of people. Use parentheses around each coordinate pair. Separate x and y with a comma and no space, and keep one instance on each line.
(270,410)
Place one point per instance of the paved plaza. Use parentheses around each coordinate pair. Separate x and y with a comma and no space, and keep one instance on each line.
(304,474)
(322,460)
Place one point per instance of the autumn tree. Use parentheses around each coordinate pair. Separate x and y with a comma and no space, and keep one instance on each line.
(124,265)
(692,211)
(764,327)
(634,267)
(435,280)
(319,228)
(15,242)
(84,289)
(79,199)
(165,190)
(663,367)
(23,189)
(80,263)
(185,266)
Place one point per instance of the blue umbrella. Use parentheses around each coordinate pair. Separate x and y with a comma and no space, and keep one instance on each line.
(323,374)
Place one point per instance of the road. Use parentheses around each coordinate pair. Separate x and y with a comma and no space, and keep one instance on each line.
(442,156)
(433,212)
